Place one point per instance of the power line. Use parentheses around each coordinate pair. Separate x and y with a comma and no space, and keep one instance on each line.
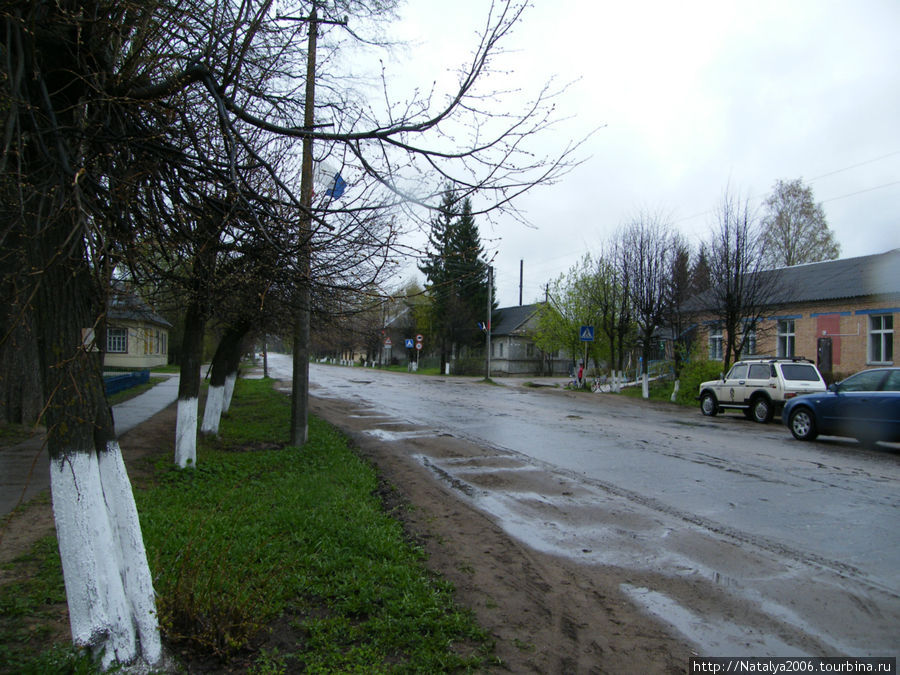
(847,168)
(824,175)
(859,192)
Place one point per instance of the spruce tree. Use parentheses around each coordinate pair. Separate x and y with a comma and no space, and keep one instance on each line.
(469,271)
(434,267)
(456,274)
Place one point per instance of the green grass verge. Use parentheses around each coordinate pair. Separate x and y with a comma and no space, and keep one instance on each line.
(28,611)
(658,390)
(283,554)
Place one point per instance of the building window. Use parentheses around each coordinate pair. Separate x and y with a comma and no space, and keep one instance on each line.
(881,338)
(501,350)
(749,347)
(786,338)
(529,350)
(715,343)
(117,340)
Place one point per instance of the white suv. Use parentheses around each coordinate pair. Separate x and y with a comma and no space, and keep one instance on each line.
(760,386)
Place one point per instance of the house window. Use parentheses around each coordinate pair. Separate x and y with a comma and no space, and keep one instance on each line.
(749,348)
(117,340)
(715,343)
(501,350)
(786,338)
(529,350)
(881,338)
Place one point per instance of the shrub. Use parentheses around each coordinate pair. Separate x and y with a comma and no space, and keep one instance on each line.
(694,372)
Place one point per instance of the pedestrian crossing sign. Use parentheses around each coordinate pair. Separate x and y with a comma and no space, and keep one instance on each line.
(587,333)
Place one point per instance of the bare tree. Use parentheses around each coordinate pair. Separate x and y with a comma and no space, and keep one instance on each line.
(126,122)
(740,292)
(616,288)
(795,229)
(646,260)
(678,292)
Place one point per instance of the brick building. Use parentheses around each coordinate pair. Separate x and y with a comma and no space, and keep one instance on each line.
(840,313)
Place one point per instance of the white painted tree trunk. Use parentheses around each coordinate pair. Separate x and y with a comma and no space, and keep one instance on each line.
(112,609)
(645,386)
(212,413)
(230,379)
(186,433)
(675,392)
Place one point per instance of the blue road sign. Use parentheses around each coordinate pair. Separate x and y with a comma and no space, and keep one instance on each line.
(586,333)
(409,343)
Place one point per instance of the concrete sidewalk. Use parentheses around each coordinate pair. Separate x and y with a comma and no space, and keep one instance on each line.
(141,408)
(24,468)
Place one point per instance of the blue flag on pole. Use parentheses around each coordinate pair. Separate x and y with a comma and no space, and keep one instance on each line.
(337,189)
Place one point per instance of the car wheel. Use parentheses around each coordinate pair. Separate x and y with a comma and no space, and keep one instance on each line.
(762,409)
(803,425)
(708,405)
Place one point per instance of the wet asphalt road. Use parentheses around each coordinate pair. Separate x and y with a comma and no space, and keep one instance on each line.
(806,532)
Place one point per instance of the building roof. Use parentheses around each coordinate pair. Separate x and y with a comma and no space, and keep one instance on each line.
(511,320)
(866,276)
(125,305)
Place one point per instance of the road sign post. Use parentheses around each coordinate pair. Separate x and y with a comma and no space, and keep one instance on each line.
(586,334)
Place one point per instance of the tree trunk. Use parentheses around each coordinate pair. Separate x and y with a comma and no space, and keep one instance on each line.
(112,608)
(233,363)
(21,399)
(189,387)
(221,383)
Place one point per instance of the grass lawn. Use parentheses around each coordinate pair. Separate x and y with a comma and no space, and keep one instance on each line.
(275,557)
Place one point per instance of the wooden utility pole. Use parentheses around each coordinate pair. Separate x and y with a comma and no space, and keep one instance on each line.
(300,382)
(490,295)
(521,279)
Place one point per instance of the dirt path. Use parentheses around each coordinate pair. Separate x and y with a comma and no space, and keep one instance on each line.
(548,615)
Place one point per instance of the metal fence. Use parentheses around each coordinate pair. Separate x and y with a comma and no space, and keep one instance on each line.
(116,383)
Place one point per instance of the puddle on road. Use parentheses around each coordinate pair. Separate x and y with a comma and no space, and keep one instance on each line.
(711,637)
(392,435)
(589,525)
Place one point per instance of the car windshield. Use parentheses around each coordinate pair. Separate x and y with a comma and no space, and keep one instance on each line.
(800,372)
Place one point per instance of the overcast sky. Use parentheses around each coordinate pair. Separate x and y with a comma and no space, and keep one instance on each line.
(693,97)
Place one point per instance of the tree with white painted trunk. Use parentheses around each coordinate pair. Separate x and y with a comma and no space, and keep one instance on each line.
(57,156)
(222,377)
(109,588)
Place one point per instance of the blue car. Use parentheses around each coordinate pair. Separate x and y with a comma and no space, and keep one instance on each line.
(864,406)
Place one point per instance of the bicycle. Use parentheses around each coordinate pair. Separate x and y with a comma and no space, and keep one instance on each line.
(599,384)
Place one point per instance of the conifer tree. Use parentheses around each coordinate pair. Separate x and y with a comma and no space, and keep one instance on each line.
(456,274)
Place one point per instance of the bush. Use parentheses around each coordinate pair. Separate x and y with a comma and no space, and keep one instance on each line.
(692,374)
